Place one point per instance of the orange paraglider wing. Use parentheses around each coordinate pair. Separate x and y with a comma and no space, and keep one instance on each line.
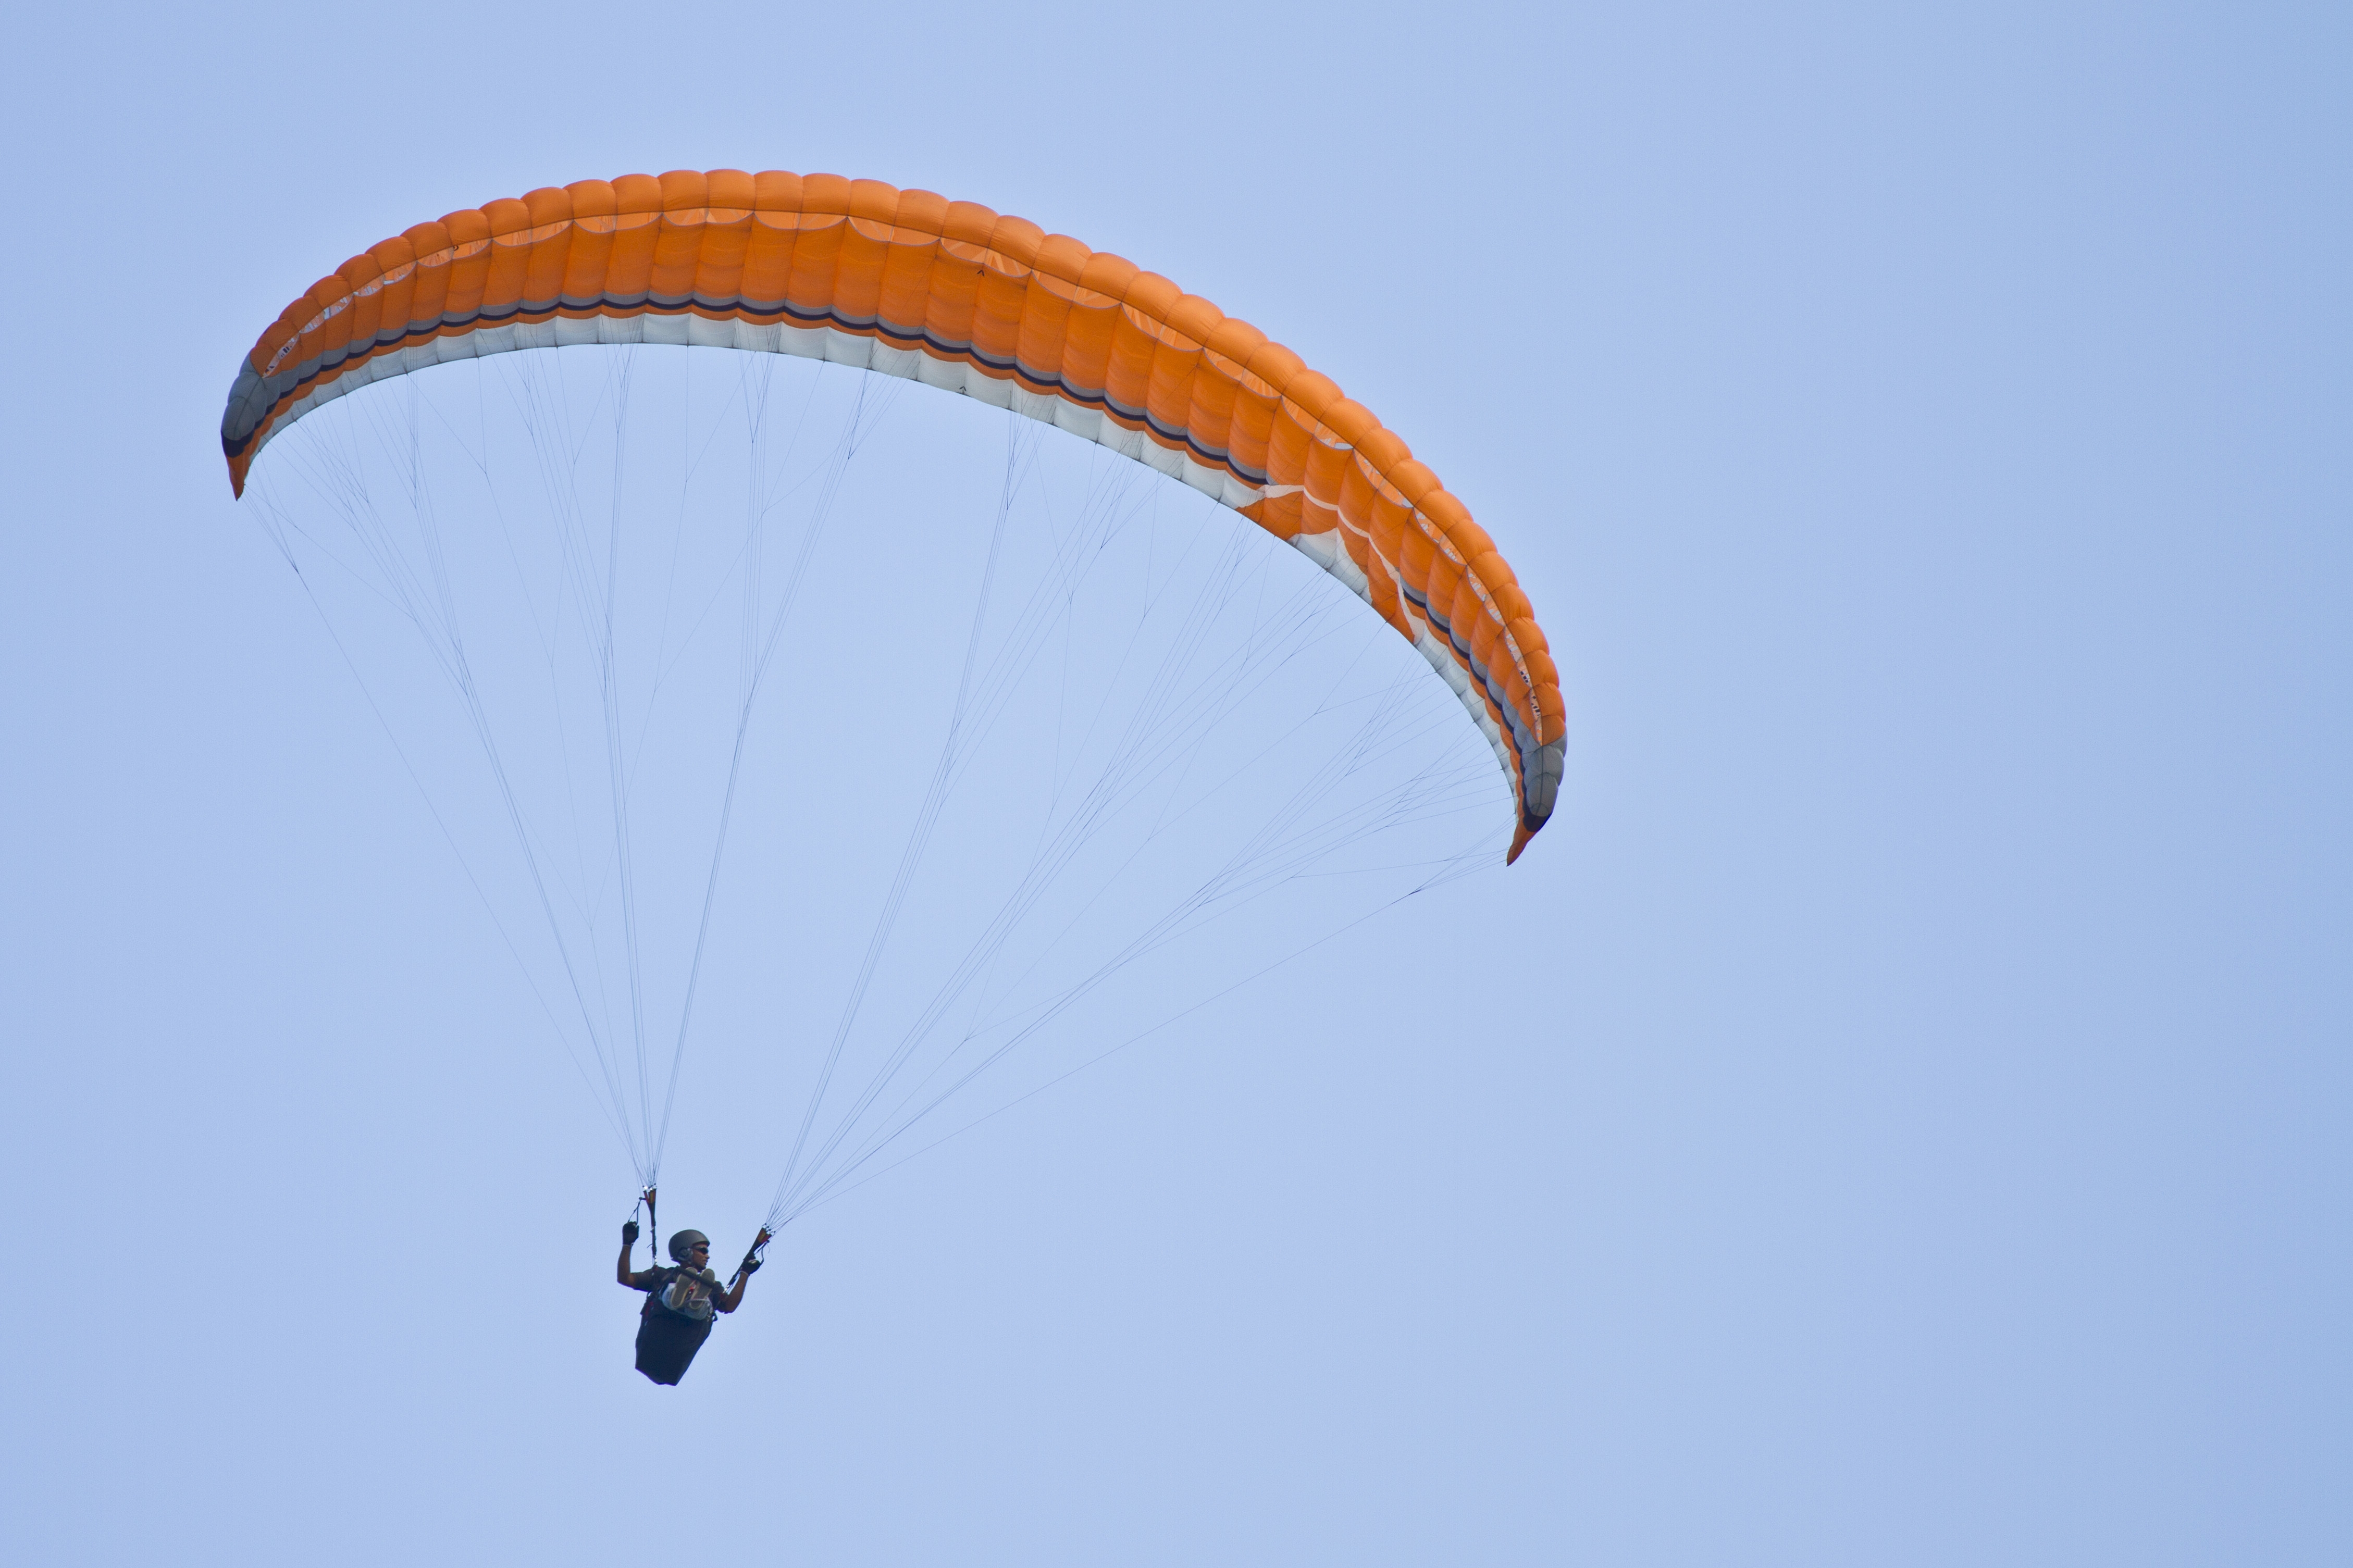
(908,283)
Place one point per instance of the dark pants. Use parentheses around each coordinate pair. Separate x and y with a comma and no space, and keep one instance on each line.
(667,1343)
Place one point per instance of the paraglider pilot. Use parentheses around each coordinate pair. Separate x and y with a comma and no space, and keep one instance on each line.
(679,1300)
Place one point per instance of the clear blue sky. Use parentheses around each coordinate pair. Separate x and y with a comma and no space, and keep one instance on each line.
(1913,1129)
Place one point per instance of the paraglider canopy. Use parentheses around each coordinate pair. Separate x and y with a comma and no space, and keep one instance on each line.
(952,294)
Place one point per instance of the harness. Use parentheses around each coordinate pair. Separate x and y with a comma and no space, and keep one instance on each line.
(682,1295)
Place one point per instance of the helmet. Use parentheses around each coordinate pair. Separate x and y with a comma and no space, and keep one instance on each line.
(685,1241)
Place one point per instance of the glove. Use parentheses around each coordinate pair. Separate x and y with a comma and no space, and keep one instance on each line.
(629,1233)
(751,1264)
